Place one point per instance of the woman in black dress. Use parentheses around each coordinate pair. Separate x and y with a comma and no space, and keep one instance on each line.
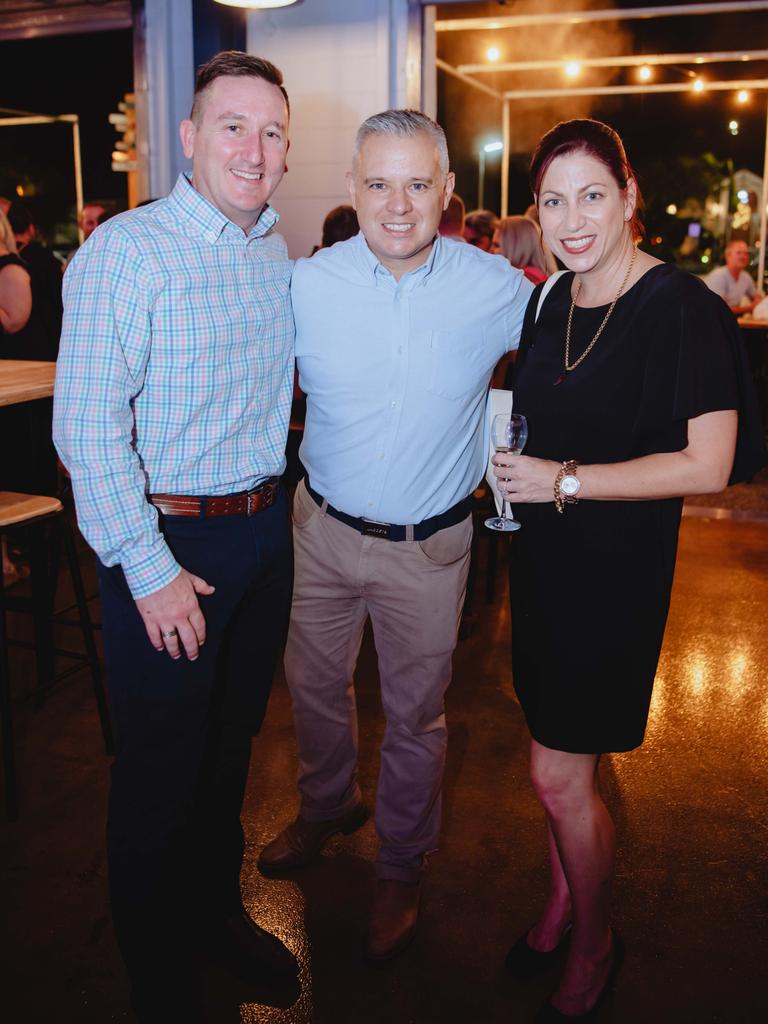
(629,379)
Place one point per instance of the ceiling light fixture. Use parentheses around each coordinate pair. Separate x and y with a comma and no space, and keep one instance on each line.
(256,5)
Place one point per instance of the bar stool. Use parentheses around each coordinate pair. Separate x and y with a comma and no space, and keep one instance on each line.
(31,518)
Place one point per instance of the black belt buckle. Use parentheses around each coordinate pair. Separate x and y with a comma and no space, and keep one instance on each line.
(370,528)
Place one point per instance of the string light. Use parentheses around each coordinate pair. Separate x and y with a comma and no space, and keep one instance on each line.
(733,127)
(645,73)
(742,96)
(698,85)
(672,209)
(573,69)
(493,53)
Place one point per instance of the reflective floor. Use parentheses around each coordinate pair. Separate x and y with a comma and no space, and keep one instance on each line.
(691,895)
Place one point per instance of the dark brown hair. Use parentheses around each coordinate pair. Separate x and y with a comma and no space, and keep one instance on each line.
(598,140)
(236,64)
(339,225)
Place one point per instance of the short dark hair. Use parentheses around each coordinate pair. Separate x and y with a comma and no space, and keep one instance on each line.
(19,217)
(235,63)
(596,139)
(482,222)
(339,225)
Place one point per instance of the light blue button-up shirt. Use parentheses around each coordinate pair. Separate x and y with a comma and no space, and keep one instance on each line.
(175,370)
(396,373)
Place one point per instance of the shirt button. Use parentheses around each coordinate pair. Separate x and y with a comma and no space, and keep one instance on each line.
(394,405)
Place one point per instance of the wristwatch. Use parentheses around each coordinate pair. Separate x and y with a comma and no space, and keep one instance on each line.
(567,485)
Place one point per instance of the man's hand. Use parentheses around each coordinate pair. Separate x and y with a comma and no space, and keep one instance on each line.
(172,616)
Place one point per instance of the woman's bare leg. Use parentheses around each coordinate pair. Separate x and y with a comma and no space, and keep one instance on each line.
(584,837)
(548,930)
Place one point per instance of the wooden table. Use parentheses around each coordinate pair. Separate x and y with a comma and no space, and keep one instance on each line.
(23,380)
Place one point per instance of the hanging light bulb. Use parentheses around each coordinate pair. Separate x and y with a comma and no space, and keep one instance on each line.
(573,69)
(645,73)
(493,53)
(698,85)
(255,5)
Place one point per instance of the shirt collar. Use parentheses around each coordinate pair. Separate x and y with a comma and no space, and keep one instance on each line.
(206,219)
(373,266)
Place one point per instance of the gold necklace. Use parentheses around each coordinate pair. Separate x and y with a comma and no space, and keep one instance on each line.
(566,368)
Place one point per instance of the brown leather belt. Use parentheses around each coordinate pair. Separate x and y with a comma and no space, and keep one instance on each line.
(245,503)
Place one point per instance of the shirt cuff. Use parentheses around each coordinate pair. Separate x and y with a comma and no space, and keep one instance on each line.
(151,573)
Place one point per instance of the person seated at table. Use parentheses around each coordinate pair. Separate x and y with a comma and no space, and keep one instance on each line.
(732,282)
(452,220)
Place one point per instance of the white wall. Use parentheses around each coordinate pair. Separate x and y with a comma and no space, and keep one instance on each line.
(343,60)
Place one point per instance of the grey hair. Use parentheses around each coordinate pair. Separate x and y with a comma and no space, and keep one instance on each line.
(402,124)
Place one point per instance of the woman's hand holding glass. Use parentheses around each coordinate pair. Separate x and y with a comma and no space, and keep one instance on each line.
(525,480)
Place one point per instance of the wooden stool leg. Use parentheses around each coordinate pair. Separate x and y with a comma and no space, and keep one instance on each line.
(87,628)
(9,758)
(42,611)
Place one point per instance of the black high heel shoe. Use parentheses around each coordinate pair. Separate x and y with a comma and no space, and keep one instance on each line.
(524,962)
(549,1014)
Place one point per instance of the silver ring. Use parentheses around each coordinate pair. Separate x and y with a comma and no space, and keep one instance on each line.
(170,633)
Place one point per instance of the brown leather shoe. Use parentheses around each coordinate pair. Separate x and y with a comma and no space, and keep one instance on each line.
(394,915)
(301,842)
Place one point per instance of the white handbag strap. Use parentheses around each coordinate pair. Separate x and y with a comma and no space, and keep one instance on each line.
(548,284)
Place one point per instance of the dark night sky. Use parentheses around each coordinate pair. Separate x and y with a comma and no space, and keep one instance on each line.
(653,126)
(69,74)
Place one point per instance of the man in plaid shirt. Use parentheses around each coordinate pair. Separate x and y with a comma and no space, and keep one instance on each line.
(172,400)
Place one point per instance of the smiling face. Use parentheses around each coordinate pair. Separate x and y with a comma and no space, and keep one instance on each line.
(399,192)
(584,214)
(238,144)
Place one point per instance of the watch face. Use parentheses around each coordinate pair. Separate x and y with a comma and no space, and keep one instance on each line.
(570,485)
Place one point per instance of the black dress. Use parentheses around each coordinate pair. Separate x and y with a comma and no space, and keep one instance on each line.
(590,588)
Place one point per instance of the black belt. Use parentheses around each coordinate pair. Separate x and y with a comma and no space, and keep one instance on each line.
(391,531)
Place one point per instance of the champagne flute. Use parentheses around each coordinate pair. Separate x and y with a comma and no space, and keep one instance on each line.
(508,434)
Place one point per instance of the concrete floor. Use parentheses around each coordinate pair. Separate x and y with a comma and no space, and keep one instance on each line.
(690,807)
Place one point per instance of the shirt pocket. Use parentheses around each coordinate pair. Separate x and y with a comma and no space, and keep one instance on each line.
(460,362)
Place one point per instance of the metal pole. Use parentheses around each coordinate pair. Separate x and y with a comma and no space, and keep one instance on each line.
(763,205)
(505,159)
(78,177)
(619,61)
(609,14)
(481,181)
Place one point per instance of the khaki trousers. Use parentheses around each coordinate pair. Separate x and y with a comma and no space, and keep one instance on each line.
(413,592)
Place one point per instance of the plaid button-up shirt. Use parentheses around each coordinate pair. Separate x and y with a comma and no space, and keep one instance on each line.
(175,370)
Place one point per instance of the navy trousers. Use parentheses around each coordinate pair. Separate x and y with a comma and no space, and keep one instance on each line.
(183,737)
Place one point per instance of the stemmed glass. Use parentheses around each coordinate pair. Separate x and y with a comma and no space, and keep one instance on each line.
(508,434)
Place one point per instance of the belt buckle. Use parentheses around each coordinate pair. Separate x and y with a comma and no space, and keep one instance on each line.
(261,497)
(371,528)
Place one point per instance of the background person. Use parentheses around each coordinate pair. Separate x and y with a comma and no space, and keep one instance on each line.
(630,378)
(172,398)
(519,240)
(479,226)
(732,282)
(452,220)
(339,225)
(15,309)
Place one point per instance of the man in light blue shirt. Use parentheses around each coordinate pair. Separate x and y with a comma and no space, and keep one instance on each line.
(398,332)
